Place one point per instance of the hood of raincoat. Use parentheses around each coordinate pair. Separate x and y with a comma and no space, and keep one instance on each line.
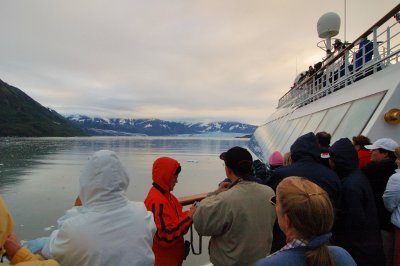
(305,146)
(6,222)
(164,169)
(343,153)
(103,181)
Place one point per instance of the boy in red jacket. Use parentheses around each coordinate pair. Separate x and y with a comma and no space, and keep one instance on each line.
(171,222)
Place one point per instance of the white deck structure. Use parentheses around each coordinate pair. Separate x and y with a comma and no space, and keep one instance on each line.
(348,96)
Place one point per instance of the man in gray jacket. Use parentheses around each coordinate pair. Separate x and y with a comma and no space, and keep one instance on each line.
(238,216)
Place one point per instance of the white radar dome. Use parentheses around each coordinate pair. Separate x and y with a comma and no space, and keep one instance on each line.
(328,25)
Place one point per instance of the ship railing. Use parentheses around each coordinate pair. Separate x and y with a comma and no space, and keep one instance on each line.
(189,200)
(369,69)
(374,50)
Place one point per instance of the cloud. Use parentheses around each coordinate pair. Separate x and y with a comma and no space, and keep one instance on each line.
(197,60)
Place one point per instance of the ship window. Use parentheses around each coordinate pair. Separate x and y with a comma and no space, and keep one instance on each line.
(356,118)
(286,134)
(333,118)
(261,134)
(302,121)
(268,135)
(283,132)
(314,122)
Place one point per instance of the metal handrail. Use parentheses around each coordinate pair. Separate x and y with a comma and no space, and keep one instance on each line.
(188,200)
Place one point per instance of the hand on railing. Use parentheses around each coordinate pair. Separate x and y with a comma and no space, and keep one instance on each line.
(187,200)
(192,210)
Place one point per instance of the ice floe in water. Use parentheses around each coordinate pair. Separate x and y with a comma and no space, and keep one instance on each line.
(48,228)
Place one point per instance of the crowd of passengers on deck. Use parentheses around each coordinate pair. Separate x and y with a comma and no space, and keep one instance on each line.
(319,204)
(320,76)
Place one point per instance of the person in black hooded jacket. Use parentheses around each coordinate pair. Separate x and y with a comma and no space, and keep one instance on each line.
(305,154)
(356,228)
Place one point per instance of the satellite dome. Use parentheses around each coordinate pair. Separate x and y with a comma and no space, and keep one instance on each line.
(328,25)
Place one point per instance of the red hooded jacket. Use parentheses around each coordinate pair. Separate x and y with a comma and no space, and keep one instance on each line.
(171,222)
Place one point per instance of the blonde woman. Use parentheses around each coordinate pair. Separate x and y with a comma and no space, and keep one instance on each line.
(305,215)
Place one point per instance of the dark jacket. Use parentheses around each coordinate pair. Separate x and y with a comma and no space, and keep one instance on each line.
(356,228)
(305,155)
(378,174)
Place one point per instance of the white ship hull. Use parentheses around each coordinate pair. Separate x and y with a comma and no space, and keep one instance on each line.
(345,106)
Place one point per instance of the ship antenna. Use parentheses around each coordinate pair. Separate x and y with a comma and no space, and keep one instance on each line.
(345,16)
(328,26)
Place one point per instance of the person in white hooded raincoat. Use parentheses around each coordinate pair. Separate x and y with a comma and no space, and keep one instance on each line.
(108,229)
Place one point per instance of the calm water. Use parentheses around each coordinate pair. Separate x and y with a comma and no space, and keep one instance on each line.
(40,176)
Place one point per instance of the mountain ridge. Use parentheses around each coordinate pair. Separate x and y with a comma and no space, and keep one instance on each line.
(157,127)
(22,116)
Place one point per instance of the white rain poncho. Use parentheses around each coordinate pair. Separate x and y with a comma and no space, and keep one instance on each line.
(108,229)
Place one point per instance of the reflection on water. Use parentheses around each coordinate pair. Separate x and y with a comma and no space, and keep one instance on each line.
(18,156)
(39,177)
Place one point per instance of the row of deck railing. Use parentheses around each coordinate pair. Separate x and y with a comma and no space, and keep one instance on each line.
(351,64)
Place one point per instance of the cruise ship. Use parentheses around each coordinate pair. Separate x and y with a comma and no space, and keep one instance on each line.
(354,90)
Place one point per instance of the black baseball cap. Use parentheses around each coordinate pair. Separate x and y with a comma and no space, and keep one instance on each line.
(238,159)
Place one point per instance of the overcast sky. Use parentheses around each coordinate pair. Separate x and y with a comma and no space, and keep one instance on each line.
(203,60)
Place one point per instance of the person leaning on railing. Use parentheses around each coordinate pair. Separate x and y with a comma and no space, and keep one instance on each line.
(237,216)
(171,221)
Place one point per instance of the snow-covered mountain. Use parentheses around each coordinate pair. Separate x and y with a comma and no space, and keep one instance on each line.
(157,127)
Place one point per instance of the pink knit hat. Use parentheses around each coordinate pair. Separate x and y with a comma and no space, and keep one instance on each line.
(275,159)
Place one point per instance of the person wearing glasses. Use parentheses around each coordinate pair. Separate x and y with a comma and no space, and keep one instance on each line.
(305,215)
(237,216)
(391,198)
(378,172)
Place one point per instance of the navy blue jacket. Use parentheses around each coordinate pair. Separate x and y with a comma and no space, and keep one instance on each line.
(356,228)
(306,156)
(378,174)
